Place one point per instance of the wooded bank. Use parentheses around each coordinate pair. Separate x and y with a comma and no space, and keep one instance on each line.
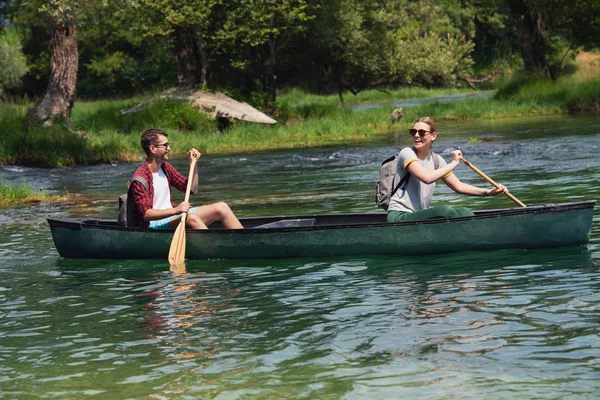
(251,50)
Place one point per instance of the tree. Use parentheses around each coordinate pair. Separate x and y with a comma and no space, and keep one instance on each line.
(59,97)
(253,33)
(489,25)
(575,25)
(116,59)
(579,20)
(188,26)
(538,22)
(12,61)
(372,43)
(533,31)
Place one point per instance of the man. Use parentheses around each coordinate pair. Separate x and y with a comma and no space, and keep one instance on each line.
(153,208)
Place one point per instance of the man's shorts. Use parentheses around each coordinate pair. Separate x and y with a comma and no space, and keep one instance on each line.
(164,223)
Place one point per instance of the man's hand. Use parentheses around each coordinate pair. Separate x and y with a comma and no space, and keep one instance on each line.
(182,208)
(194,154)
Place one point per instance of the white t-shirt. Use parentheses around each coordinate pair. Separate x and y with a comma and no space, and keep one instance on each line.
(162,194)
(417,195)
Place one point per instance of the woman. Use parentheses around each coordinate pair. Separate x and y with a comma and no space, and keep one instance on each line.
(411,201)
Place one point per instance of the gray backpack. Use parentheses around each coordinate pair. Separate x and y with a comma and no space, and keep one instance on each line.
(125,217)
(386,186)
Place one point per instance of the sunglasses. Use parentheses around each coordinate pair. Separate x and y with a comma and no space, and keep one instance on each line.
(165,145)
(421,132)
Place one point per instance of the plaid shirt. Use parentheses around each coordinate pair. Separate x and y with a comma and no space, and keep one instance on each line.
(144,199)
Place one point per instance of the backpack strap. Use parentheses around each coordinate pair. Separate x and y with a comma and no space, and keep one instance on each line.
(404,180)
(140,180)
(130,217)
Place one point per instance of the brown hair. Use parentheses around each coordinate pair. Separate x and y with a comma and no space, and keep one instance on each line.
(150,137)
(429,121)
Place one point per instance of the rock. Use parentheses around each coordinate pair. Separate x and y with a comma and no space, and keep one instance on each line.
(217,105)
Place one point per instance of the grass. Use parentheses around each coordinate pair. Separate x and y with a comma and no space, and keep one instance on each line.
(296,97)
(99,133)
(19,194)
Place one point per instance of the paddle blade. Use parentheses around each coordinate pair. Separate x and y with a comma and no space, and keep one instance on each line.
(177,250)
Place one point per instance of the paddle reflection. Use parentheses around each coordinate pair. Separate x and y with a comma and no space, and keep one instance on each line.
(185,306)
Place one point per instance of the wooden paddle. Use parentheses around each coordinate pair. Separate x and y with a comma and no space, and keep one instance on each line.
(487,178)
(177,250)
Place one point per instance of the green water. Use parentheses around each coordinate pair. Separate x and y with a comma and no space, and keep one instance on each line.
(507,324)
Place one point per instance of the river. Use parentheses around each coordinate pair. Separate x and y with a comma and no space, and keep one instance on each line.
(499,324)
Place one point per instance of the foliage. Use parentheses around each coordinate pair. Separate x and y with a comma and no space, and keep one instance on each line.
(512,87)
(252,48)
(13,193)
(54,146)
(360,44)
(12,61)
(163,17)
(174,114)
(126,63)
(577,20)
(564,93)
(253,36)
(489,25)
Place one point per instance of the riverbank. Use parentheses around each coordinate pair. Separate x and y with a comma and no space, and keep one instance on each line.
(98,133)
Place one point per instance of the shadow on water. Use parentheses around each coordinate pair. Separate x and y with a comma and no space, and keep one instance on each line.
(422,267)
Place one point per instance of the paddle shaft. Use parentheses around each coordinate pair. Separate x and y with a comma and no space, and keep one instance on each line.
(177,250)
(490,180)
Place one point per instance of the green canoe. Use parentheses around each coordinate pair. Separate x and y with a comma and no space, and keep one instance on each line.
(547,226)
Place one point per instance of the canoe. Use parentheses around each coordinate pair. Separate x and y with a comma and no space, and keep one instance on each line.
(547,226)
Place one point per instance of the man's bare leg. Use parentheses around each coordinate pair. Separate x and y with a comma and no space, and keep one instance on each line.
(192,221)
(218,212)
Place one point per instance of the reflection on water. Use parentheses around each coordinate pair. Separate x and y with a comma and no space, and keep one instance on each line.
(466,325)
(463,325)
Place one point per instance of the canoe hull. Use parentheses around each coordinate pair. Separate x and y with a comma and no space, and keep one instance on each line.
(367,234)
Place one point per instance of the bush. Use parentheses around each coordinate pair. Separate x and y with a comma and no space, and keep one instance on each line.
(517,83)
(13,193)
(12,61)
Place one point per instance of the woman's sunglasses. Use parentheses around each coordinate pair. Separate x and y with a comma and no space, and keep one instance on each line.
(421,132)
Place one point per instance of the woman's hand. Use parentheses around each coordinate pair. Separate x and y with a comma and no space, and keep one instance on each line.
(496,191)
(456,155)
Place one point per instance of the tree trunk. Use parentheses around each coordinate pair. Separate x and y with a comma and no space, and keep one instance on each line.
(532,31)
(191,59)
(59,97)
(269,78)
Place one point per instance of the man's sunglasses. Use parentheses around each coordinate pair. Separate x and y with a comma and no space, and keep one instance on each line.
(421,132)
(162,145)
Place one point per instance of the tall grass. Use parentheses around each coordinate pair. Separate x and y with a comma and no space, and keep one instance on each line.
(19,194)
(14,194)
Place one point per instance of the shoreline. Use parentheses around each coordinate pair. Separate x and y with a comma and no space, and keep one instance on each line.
(98,134)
